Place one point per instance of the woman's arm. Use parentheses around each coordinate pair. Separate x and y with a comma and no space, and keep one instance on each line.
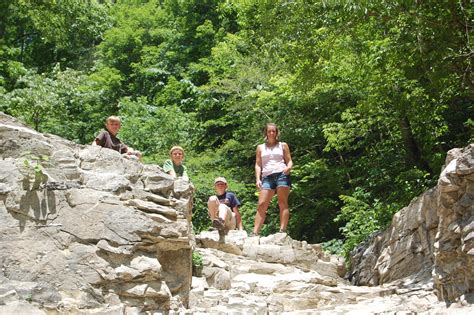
(258,167)
(287,157)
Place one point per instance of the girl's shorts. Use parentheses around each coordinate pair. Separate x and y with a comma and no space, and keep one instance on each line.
(276,180)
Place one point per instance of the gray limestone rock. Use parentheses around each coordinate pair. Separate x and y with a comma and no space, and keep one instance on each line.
(79,231)
(431,239)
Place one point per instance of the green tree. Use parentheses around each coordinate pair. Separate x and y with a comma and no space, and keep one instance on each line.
(64,103)
(34,101)
(43,33)
(159,128)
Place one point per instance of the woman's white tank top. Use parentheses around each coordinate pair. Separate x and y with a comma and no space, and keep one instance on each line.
(273,160)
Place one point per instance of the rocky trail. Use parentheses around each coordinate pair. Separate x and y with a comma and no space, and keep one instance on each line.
(279,275)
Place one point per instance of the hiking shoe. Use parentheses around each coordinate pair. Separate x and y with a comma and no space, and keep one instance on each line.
(252,234)
(218,223)
(282,231)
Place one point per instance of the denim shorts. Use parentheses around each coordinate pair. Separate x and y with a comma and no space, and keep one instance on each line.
(276,180)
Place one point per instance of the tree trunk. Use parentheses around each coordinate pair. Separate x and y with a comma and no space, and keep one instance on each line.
(413,153)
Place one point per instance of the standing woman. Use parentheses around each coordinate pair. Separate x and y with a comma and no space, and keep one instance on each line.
(272,172)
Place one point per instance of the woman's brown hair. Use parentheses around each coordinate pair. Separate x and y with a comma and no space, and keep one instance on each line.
(265,129)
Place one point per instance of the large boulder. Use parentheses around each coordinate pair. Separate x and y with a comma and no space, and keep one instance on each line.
(84,230)
(431,240)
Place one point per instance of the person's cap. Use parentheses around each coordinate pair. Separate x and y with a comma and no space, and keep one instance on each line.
(220,179)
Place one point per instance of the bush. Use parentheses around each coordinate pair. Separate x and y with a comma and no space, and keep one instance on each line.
(333,247)
(362,216)
(197,259)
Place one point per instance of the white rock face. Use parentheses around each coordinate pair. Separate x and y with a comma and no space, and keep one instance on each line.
(83,230)
(282,276)
(430,240)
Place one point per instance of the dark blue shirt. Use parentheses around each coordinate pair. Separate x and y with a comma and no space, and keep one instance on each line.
(229,199)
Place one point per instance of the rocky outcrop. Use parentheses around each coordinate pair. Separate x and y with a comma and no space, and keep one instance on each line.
(431,240)
(279,275)
(83,230)
(258,275)
(454,243)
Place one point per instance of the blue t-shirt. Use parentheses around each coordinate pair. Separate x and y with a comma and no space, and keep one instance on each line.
(229,199)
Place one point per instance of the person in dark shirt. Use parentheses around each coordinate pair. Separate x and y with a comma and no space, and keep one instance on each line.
(223,209)
(108,139)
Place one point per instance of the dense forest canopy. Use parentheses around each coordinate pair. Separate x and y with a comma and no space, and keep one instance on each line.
(369,95)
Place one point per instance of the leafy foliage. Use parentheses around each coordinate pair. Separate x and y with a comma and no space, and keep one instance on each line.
(368,95)
(197,259)
(60,102)
(160,127)
(362,215)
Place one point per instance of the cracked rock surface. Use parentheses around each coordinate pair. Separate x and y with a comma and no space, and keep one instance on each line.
(279,275)
(431,239)
(83,230)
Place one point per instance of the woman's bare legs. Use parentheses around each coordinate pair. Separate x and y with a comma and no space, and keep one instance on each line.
(282,194)
(264,199)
